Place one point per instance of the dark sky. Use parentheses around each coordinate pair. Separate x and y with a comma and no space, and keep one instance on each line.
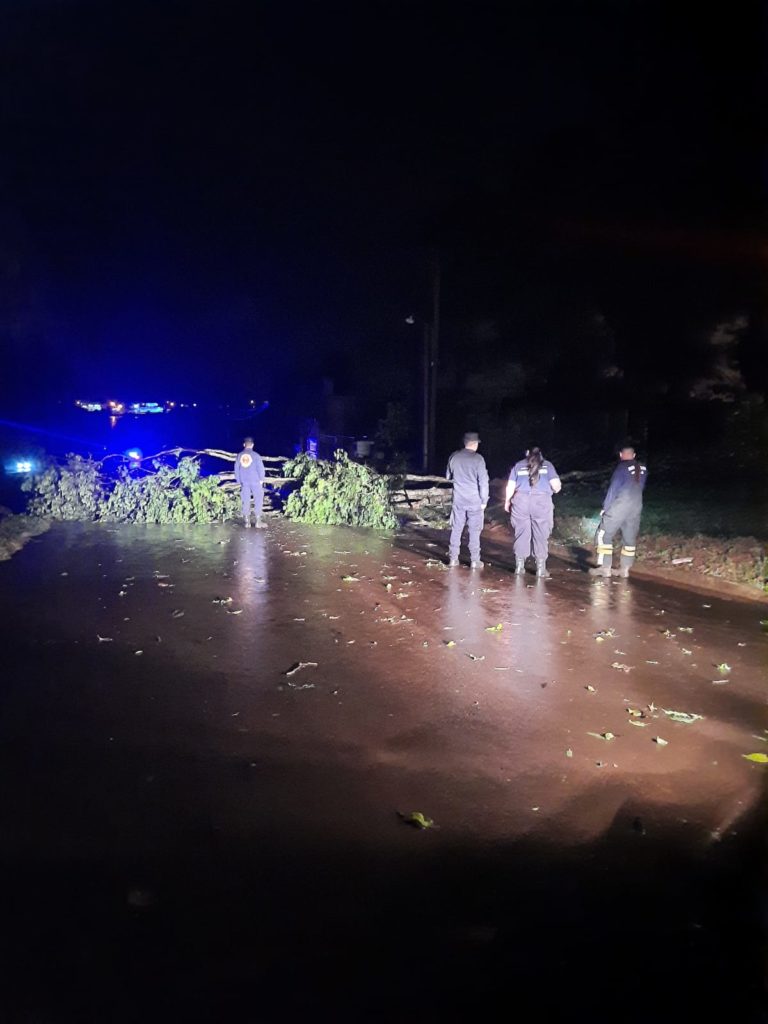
(205,197)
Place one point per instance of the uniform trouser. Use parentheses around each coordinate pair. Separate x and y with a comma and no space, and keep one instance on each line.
(532,520)
(622,517)
(251,490)
(472,518)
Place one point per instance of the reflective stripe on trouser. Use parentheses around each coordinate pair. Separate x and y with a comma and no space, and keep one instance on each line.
(628,556)
(248,491)
(532,520)
(472,518)
(621,517)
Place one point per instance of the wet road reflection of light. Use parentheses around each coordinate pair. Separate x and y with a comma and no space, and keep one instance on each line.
(250,570)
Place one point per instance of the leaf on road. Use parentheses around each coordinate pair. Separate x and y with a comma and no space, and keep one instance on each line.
(494,629)
(177,613)
(161,583)
(723,668)
(476,657)
(449,643)
(602,735)
(301,686)
(621,667)
(640,725)
(417,819)
(105,639)
(234,611)
(682,716)
(660,742)
(635,713)
(601,634)
(685,629)
(350,579)
(222,600)
(758,758)
(569,752)
(590,689)
(298,666)
(720,682)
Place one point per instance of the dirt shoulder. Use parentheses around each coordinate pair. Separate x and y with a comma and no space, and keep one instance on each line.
(15,531)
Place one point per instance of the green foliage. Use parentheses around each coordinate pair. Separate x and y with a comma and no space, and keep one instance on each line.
(75,491)
(80,490)
(338,492)
(172,494)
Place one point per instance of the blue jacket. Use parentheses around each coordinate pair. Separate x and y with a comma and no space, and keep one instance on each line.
(249,469)
(522,483)
(624,485)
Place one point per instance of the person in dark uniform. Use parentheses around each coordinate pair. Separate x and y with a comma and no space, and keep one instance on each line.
(466,467)
(532,483)
(621,511)
(249,473)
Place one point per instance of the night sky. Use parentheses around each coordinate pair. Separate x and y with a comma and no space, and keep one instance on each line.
(217,198)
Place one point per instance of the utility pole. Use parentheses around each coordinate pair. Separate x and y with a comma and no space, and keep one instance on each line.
(434,346)
(425,398)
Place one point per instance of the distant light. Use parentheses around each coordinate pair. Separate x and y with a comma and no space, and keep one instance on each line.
(134,454)
(24,467)
(194,405)
(410,319)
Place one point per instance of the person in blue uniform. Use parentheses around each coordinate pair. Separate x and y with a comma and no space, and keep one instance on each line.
(466,467)
(249,473)
(621,512)
(531,484)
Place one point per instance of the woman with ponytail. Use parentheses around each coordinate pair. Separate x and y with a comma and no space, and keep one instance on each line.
(532,483)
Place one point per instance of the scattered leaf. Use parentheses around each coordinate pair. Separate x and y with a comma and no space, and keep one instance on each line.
(640,725)
(602,735)
(635,713)
(476,657)
(234,611)
(222,600)
(569,752)
(685,629)
(720,682)
(494,629)
(723,668)
(105,639)
(682,716)
(449,643)
(298,666)
(177,613)
(350,579)
(660,742)
(621,667)
(590,688)
(417,819)
(758,758)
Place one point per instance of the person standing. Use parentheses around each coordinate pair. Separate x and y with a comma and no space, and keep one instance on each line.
(621,512)
(467,469)
(249,473)
(531,484)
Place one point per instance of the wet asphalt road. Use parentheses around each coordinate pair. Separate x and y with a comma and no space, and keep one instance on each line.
(189,833)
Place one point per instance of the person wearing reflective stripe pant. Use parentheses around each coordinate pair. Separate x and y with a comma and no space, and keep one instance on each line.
(531,484)
(466,467)
(249,473)
(622,509)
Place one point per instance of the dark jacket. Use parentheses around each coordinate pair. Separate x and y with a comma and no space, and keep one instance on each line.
(470,478)
(627,484)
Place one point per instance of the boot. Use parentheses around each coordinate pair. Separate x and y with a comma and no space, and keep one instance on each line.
(541,569)
(626,563)
(260,524)
(519,567)
(247,522)
(477,565)
(605,560)
(452,563)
